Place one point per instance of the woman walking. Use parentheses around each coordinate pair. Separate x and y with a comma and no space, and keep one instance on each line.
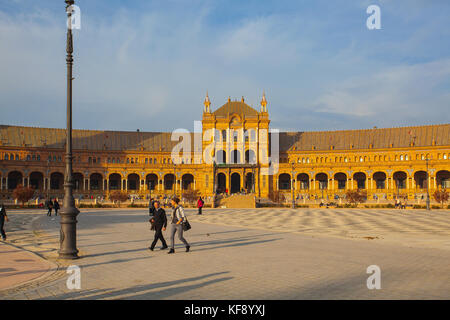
(178,217)
(3,218)
(200,204)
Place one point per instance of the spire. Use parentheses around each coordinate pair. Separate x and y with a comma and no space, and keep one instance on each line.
(243,100)
(207,103)
(264,103)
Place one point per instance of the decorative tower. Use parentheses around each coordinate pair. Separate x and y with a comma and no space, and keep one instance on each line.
(207,104)
(264,103)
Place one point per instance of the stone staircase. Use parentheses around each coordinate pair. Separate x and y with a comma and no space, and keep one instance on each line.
(238,201)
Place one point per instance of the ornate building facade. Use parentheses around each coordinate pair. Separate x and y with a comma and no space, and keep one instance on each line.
(234,151)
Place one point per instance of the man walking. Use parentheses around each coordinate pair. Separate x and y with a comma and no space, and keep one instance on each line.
(178,217)
(159,221)
(56,206)
(3,218)
(49,205)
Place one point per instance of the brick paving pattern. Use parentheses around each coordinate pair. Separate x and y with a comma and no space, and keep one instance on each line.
(251,254)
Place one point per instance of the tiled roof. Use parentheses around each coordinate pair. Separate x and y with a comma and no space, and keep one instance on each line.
(238,107)
(420,136)
(87,139)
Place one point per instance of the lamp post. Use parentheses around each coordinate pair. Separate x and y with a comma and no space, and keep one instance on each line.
(68,234)
(292,187)
(428,186)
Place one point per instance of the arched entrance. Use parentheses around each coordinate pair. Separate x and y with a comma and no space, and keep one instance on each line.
(400,180)
(78,181)
(221,182)
(284,182)
(151,180)
(380,179)
(303,180)
(341,179)
(235,182)
(187,181)
(96,181)
(115,181)
(133,182)
(56,181)
(420,178)
(169,181)
(323,180)
(443,179)
(360,178)
(37,180)
(14,179)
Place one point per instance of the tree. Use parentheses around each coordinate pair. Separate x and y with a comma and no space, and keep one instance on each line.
(441,196)
(191,195)
(356,196)
(23,194)
(118,196)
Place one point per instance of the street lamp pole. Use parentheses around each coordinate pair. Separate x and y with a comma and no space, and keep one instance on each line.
(292,187)
(428,186)
(68,234)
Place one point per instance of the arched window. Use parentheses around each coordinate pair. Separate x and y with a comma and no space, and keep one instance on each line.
(28,158)
(224,135)
(6,157)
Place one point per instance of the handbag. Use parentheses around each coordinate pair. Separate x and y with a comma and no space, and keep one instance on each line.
(186,226)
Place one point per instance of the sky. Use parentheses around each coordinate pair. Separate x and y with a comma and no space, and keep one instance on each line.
(142,64)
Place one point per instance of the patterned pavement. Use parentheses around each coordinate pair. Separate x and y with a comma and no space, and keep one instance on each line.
(252,254)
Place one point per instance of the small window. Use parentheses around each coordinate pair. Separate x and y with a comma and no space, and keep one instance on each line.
(6,157)
(38,158)
(445,156)
(28,158)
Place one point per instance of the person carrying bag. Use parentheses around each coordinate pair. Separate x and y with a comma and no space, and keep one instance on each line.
(178,224)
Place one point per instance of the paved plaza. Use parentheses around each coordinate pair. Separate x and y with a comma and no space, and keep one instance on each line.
(239,254)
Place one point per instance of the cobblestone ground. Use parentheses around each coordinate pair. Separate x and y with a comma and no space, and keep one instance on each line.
(251,254)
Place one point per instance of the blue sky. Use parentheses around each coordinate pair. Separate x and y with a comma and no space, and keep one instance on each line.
(148,64)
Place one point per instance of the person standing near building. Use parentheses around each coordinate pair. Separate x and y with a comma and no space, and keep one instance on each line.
(200,204)
(49,206)
(56,206)
(178,217)
(159,221)
(3,218)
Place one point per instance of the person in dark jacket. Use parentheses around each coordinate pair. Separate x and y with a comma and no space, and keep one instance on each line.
(49,206)
(151,207)
(56,206)
(159,221)
(3,218)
